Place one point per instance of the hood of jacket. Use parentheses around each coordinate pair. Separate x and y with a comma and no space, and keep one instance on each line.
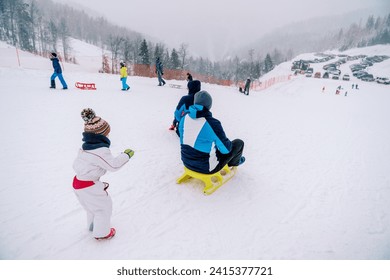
(197,111)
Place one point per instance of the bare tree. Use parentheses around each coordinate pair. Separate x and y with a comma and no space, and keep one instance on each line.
(63,34)
(53,35)
(137,44)
(115,44)
(34,11)
(251,54)
(183,52)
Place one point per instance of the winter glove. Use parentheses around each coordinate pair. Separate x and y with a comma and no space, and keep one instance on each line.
(120,79)
(129,152)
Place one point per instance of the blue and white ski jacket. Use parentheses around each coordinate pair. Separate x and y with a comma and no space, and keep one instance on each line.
(202,140)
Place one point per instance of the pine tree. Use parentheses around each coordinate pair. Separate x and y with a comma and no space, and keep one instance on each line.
(277,56)
(387,21)
(268,64)
(378,23)
(144,53)
(127,50)
(370,22)
(159,52)
(175,61)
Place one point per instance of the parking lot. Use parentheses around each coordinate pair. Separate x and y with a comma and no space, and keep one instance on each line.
(356,68)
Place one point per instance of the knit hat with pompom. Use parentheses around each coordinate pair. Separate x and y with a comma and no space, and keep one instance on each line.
(93,123)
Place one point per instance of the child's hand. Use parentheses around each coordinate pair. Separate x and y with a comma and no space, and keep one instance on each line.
(129,152)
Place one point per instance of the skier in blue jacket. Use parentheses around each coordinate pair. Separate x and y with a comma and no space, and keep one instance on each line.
(57,72)
(185,102)
(204,145)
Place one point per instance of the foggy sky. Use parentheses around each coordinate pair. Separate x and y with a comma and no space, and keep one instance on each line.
(206,25)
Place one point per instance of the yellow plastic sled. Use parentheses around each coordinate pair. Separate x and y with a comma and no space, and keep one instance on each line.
(212,182)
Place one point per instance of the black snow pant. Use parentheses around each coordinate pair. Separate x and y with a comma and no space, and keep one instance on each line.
(232,158)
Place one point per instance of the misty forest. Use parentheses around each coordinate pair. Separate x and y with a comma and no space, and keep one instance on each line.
(42,26)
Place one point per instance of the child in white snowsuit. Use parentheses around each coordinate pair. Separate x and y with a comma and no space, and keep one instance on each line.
(92,162)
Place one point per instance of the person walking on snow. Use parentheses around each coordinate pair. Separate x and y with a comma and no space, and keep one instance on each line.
(204,145)
(123,78)
(185,103)
(247,86)
(189,77)
(160,71)
(57,72)
(92,162)
(245,90)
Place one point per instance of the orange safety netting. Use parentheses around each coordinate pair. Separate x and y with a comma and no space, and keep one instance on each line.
(261,85)
(169,74)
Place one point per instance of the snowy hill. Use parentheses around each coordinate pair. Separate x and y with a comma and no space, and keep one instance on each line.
(88,58)
(315,184)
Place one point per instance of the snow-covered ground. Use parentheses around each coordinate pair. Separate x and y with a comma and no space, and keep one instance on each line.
(315,184)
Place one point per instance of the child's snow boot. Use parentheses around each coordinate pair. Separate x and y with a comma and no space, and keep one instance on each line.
(109,236)
(52,84)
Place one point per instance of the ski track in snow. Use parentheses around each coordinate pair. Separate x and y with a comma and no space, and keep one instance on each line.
(315,184)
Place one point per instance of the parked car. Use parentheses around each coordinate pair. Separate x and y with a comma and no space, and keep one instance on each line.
(346,77)
(368,78)
(333,71)
(366,63)
(326,75)
(360,74)
(327,66)
(336,77)
(357,67)
(382,80)
(309,72)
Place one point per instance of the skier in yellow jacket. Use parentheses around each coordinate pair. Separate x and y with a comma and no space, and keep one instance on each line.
(123,72)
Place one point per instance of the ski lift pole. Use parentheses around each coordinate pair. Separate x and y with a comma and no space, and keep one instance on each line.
(17,56)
